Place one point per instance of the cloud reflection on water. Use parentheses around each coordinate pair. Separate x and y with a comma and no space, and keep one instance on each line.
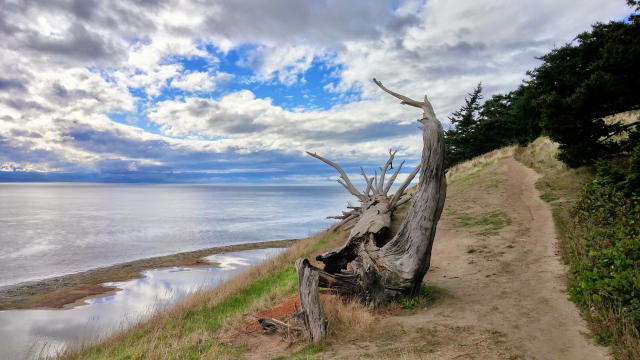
(30,333)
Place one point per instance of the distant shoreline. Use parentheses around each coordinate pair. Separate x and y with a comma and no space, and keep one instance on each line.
(61,291)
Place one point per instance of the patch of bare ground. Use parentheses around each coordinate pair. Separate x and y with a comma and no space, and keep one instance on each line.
(496,256)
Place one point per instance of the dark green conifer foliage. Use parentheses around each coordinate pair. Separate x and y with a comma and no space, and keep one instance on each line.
(581,83)
(464,121)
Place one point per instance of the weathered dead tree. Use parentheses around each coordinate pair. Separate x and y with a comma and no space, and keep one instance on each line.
(366,267)
(372,217)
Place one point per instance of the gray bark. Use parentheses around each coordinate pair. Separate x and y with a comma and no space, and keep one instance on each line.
(381,271)
(314,320)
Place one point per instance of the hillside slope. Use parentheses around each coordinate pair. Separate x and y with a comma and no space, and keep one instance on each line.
(495,290)
(499,279)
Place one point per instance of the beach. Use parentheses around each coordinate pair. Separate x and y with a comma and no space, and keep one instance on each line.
(58,292)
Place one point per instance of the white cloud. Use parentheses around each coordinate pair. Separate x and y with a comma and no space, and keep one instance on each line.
(198,81)
(287,62)
(11,166)
(66,65)
(249,124)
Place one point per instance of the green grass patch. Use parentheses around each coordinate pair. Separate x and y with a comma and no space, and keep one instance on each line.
(208,318)
(549,197)
(425,296)
(492,221)
(408,304)
(211,318)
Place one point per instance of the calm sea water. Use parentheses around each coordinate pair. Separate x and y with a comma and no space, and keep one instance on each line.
(42,333)
(50,229)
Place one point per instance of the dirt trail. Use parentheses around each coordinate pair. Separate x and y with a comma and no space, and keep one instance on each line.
(504,277)
(514,282)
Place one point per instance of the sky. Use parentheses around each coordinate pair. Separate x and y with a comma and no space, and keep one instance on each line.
(233,91)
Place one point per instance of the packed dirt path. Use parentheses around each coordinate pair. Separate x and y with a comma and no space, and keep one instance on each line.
(513,282)
(500,280)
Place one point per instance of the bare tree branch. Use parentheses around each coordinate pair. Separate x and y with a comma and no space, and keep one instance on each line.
(345,214)
(402,187)
(366,179)
(344,221)
(403,200)
(364,175)
(347,183)
(428,113)
(383,171)
(405,100)
(368,189)
(347,187)
(375,182)
(393,178)
(427,108)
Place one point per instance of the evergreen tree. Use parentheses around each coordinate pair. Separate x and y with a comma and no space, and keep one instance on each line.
(464,122)
(580,84)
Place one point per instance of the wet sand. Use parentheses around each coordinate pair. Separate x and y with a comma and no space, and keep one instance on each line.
(59,292)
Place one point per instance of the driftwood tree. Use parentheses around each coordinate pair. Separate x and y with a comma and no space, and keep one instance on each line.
(373,217)
(366,267)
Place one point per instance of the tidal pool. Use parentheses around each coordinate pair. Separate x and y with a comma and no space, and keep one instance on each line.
(30,334)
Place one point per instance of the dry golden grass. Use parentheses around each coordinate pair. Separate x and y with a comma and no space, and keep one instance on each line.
(625,117)
(477,161)
(346,317)
(540,155)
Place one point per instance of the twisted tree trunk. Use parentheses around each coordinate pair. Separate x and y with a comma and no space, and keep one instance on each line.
(382,272)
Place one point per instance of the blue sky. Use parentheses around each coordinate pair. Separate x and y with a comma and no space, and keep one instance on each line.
(236,91)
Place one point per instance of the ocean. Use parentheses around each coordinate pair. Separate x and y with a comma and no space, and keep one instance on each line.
(52,229)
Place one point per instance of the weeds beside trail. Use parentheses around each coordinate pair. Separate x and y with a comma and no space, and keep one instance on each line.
(603,278)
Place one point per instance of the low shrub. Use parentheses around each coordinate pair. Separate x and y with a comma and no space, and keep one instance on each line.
(605,275)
